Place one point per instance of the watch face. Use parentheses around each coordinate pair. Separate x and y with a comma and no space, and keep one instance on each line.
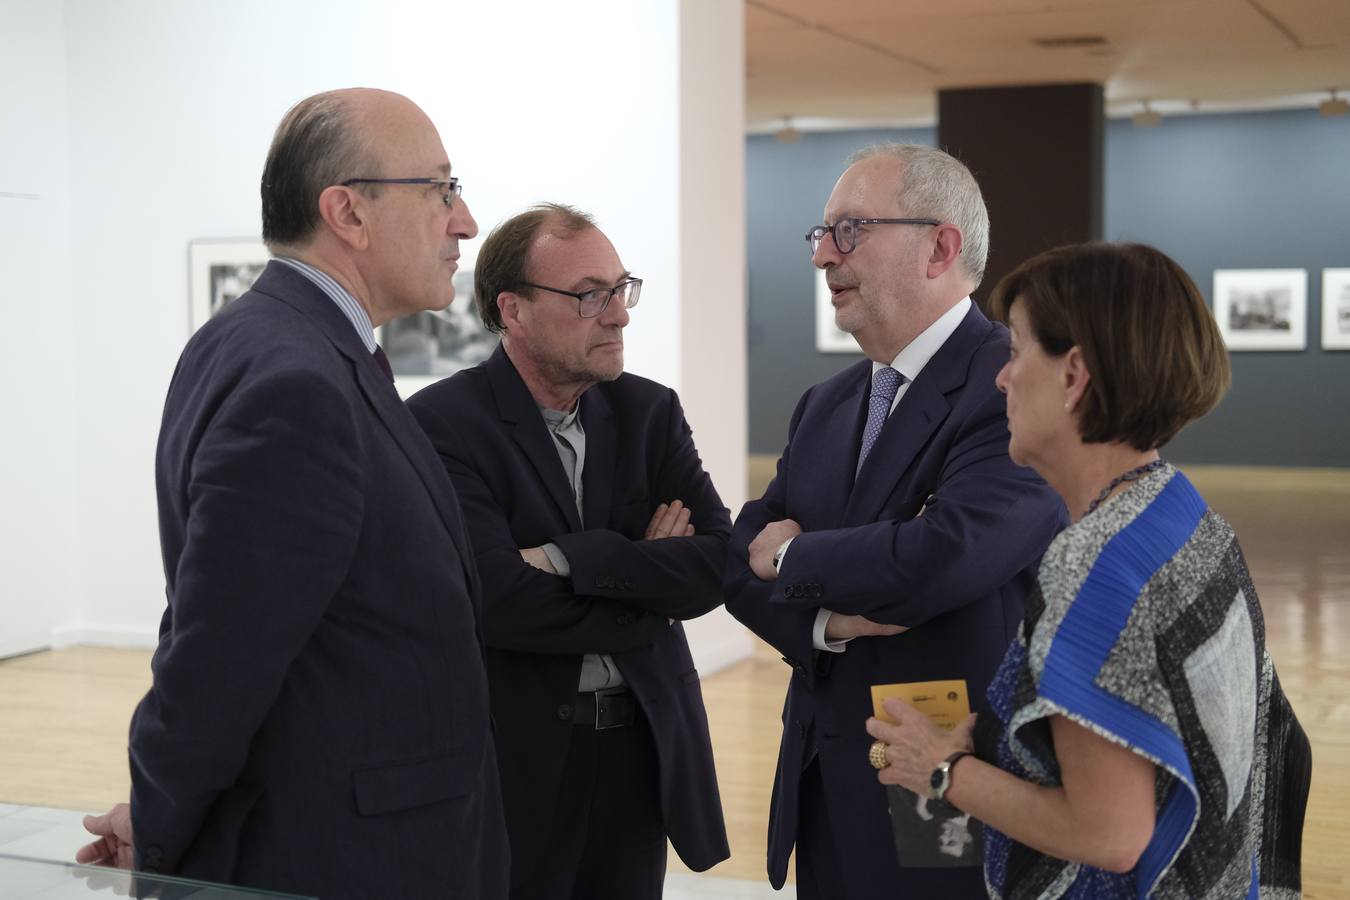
(938,777)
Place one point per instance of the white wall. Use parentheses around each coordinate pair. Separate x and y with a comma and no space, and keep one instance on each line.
(38,525)
(172,106)
(712,272)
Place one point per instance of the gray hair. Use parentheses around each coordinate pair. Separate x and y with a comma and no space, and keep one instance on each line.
(939,185)
(317,144)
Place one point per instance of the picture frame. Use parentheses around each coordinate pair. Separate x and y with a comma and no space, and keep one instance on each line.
(220,270)
(829,339)
(1336,309)
(1262,309)
(425,347)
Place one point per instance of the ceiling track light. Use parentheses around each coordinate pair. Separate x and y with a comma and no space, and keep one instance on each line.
(1146,117)
(1334,106)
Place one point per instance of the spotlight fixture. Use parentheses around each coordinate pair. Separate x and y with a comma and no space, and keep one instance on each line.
(1334,106)
(787,134)
(1146,117)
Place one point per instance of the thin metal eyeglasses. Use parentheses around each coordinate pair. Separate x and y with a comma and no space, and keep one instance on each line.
(452,186)
(593,302)
(845,231)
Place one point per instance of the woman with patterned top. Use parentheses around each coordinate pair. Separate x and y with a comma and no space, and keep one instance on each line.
(1138,743)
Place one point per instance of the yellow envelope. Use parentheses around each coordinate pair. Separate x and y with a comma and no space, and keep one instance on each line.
(946,703)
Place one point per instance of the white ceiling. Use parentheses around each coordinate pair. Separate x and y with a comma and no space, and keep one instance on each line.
(882,61)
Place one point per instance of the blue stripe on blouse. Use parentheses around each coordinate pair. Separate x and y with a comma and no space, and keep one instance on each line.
(350,306)
(1090,629)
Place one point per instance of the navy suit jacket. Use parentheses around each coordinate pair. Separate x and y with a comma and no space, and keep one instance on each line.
(955,575)
(619,599)
(318,721)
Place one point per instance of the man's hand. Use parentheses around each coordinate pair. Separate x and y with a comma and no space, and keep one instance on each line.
(669,520)
(113,847)
(766,544)
(536,557)
(839,627)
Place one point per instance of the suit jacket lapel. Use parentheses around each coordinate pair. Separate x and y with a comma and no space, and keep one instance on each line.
(920,412)
(517,408)
(836,463)
(284,283)
(597,479)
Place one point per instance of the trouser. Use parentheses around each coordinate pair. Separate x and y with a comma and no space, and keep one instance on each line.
(608,840)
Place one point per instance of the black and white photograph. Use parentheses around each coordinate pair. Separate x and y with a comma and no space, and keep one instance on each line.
(829,339)
(432,345)
(221,271)
(1262,309)
(932,834)
(1336,309)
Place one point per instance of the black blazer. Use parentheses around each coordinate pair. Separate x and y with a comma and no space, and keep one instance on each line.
(620,596)
(318,721)
(956,575)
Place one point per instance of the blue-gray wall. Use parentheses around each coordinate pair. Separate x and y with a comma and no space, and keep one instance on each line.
(1258,190)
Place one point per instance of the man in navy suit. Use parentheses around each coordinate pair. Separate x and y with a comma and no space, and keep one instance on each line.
(596,531)
(897,540)
(318,721)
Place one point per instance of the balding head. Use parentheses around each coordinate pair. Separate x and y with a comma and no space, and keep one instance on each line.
(324,140)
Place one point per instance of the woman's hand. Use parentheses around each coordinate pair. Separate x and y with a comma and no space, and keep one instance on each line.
(916,746)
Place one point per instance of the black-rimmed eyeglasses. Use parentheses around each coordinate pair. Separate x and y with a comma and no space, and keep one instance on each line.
(845,231)
(593,302)
(452,186)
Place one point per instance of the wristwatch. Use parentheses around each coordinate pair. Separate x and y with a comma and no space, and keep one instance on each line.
(778,554)
(941,779)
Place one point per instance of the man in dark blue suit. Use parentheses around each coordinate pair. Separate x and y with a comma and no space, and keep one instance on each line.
(318,721)
(897,540)
(596,531)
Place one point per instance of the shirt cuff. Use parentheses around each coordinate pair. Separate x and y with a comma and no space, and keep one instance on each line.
(555,556)
(781,554)
(818,635)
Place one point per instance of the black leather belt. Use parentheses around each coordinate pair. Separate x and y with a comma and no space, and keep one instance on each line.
(605,708)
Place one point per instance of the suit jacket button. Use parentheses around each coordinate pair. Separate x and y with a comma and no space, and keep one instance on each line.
(565,712)
(599,581)
(789,592)
(625,619)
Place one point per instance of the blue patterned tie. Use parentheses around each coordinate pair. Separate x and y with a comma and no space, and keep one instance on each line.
(885,382)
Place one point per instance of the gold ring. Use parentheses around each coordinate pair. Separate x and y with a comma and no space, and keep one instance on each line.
(877,755)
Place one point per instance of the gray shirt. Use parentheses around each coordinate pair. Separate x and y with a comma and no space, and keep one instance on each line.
(569,439)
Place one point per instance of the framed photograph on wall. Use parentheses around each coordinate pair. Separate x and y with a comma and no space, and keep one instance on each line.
(829,339)
(428,346)
(1262,309)
(220,271)
(1336,309)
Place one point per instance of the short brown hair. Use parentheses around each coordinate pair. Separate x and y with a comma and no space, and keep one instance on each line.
(503,259)
(1154,353)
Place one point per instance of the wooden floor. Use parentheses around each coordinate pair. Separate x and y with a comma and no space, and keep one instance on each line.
(64,714)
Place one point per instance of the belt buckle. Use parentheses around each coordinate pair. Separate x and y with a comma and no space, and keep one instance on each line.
(600,696)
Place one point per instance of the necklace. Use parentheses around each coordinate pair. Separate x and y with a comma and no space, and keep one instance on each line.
(1133,475)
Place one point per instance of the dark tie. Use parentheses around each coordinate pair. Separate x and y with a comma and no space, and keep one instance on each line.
(388,370)
(885,382)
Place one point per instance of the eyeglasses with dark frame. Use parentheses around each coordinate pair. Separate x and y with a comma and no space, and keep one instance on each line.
(452,186)
(845,231)
(593,302)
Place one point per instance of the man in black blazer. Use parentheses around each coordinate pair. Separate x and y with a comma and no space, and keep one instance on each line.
(897,540)
(596,531)
(318,721)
